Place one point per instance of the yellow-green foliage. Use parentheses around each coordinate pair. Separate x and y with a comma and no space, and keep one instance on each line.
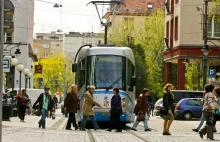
(53,72)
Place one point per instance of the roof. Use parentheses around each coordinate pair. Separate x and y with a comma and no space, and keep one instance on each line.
(118,51)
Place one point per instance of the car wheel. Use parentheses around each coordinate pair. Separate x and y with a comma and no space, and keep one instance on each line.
(187,116)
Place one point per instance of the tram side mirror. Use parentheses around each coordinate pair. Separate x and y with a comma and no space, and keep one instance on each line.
(74,67)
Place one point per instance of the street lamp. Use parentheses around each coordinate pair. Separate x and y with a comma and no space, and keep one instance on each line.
(26,71)
(206,47)
(20,68)
(29,78)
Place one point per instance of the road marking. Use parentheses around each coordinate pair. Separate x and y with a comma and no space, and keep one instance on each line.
(91,136)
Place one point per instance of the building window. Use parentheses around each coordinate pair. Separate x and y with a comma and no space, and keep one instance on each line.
(149,7)
(46,46)
(171,34)
(99,42)
(167,29)
(129,23)
(172,6)
(176,28)
(213,27)
(36,50)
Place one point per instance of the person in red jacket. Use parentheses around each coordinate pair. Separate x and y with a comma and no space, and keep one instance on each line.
(142,107)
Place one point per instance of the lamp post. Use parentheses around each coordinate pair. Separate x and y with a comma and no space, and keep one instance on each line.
(26,72)
(206,47)
(29,78)
(20,68)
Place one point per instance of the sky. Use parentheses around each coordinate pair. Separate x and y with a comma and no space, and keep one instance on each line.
(74,15)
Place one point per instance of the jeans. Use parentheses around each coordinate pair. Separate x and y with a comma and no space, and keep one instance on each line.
(202,120)
(43,117)
(84,120)
(145,123)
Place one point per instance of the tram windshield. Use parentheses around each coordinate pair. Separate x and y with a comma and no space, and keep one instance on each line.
(106,71)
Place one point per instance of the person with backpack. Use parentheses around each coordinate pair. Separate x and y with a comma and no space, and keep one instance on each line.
(45,105)
(23,100)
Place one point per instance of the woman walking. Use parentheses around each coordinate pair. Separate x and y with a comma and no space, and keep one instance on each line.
(141,107)
(168,100)
(116,111)
(209,108)
(23,100)
(87,109)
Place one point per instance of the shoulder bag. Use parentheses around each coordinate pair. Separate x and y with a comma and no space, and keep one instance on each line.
(140,116)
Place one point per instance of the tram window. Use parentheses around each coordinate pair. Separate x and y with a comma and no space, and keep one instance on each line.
(81,73)
(130,73)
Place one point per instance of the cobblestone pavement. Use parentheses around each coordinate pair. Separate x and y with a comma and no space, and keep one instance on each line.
(181,132)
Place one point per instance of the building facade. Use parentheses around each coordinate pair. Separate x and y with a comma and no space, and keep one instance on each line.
(46,44)
(184,38)
(74,40)
(22,38)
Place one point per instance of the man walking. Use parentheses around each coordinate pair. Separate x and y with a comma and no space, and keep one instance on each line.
(44,101)
(71,105)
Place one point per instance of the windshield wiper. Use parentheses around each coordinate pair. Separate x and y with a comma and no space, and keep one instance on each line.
(116,81)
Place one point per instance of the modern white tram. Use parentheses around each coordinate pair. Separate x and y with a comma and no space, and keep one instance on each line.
(105,68)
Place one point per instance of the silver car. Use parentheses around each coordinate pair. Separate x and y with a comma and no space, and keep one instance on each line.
(157,106)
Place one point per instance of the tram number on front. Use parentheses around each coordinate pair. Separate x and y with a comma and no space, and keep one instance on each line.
(105,114)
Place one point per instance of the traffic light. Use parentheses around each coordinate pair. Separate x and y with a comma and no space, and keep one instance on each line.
(8,19)
(38,68)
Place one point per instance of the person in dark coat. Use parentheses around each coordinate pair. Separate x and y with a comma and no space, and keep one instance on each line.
(45,105)
(115,111)
(23,100)
(55,99)
(71,105)
(168,100)
(142,107)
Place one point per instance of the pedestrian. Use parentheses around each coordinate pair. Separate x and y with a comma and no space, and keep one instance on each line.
(142,107)
(18,106)
(87,109)
(209,108)
(168,100)
(202,119)
(217,115)
(115,111)
(55,99)
(23,100)
(71,105)
(45,104)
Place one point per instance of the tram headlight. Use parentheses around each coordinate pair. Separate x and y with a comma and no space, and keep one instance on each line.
(123,102)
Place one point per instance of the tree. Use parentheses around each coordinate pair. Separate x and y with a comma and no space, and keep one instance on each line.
(147,44)
(54,71)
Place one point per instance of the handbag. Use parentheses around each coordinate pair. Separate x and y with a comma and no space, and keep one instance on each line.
(163,111)
(140,116)
(210,120)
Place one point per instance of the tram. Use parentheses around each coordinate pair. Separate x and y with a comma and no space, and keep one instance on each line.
(105,68)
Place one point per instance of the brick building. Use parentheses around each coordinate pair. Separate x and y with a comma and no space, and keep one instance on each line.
(184,39)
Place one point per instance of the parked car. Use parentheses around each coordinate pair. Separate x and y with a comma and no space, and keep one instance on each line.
(157,107)
(189,108)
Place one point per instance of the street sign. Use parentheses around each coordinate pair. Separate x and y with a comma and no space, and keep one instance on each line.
(212,73)
(6,64)
(6,53)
